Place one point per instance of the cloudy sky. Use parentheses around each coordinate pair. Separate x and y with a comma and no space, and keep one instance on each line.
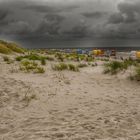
(71,23)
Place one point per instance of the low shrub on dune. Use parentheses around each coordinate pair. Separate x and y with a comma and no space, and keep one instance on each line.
(60,57)
(72,67)
(31,56)
(138,73)
(60,67)
(4,49)
(29,66)
(7,60)
(63,66)
(82,65)
(15,48)
(7,48)
(43,61)
(113,67)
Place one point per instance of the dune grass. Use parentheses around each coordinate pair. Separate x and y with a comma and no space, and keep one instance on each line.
(137,76)
(31,66)
(72,67)
(63,66)
(4,49)
(60,67)
(7,48)
(114,67)
(82,65)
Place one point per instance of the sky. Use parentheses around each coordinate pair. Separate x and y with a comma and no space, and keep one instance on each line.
(70,23)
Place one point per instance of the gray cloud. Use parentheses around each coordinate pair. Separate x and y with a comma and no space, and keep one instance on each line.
(42,8)
(36,20)
(96,14)
(50,25)
(3,14)
(78,31)
(116,18)
(129,12)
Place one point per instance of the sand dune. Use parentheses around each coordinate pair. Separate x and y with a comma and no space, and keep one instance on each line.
(85,105)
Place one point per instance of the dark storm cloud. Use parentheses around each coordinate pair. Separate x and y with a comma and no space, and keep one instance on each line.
(96,14)
(78,31)
(50,25)
(116,18)
(125,23)
(3,14)
(35,20)
(128,13)
(42,8)
(3,17)
(50,9)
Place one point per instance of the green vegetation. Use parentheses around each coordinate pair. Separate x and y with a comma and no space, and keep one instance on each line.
(59,56)
(34,56)
(72,67)
(43,61)
(60,67)
(49,58)
(7,60)
(114,67)
(137,76)
(63,66)
(4,49)
(82,65)
(7,48)
(31,66)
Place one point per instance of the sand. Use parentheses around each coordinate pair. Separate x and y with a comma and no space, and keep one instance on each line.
(85,105)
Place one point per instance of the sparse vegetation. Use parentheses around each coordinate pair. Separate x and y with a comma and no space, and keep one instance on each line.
(31,66)
(60,57)
(82,65)
(49,58)
(6,58)
(7,48)
(137,76)
(113,67)
(63,66)
(72,67)
(60,67)
(4,49)
(43,61)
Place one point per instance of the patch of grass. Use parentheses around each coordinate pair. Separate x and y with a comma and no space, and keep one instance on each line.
(137,76)
(4,49)
(29,57)
(72,67)
(113,67)
(49,58)
(60,67)
(43,61)
(82,65)
(15,48)
(63,66)
(6,58)
(7,48)
(19,58)
(60,57)
(39,70)
(29,66)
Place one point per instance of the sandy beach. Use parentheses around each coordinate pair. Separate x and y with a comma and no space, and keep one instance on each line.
(65,105)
